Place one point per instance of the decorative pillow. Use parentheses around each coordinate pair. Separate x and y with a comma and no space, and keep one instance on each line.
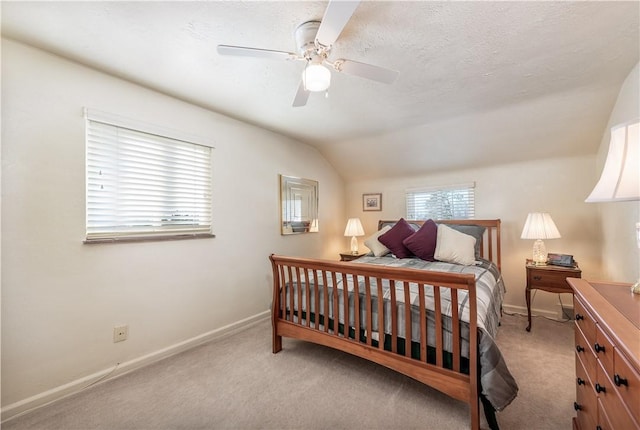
(453,246)
(374,244)
(394,237)
(423,242)
(476,231)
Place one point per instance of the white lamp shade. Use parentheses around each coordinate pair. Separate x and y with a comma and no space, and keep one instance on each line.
(539,225)
(354,228)
(316,77)
(620,179)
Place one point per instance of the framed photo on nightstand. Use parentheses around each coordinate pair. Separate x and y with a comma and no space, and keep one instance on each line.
(372,202)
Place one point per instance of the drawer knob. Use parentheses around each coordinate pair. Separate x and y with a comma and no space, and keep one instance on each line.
(537,278)
(579,317)
(598,428)
(580,381)
(579,348)
(576,406)
(600,389)
(598,348)
(619,380)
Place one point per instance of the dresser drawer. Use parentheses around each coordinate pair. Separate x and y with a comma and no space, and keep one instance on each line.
(603,347)
(585,321)
(586,401)
(585,352)
(617,412)
(549,279)
(627,381)
(603,419)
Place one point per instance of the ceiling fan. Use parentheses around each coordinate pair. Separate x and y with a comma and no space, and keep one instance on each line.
(314,40)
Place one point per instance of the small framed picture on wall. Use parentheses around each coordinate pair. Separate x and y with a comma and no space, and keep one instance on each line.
(372,202)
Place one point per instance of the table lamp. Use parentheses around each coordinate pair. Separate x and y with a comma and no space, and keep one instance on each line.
(538,226)
(354,228)
(620,178)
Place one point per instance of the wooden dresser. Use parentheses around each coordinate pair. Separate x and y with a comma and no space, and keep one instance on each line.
(607,338)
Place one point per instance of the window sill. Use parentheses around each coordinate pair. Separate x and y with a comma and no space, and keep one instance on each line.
(148,238)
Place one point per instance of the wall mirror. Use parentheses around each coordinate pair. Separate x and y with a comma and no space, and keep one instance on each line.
(299,203)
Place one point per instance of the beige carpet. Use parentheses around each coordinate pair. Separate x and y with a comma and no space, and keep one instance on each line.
(237,383)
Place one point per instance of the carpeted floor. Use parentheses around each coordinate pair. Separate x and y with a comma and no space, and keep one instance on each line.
(237,383)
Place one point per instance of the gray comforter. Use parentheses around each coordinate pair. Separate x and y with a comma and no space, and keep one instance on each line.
(498,385)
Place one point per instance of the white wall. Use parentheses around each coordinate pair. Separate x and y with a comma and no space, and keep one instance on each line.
(60,298)
(509,192)
(600,236)
(620,253)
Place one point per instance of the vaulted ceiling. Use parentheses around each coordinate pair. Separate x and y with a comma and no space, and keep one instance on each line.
(480,82)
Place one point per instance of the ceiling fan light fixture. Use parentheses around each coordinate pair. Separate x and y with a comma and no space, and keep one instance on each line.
(316,77)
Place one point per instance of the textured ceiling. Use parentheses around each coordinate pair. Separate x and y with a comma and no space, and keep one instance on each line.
(480,82)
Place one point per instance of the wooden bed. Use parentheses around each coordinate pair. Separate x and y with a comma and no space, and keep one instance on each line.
(295,315)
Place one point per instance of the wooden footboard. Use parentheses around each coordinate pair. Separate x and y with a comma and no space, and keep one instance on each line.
(307,306)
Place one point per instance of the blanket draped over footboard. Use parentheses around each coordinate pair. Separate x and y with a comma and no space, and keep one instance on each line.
(419,318)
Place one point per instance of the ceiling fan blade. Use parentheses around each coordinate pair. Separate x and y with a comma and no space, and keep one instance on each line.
(335,17)
(369,71)
(243,51)
(301,96)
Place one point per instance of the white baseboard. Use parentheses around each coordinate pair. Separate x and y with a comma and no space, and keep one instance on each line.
(23,406)
(522,310)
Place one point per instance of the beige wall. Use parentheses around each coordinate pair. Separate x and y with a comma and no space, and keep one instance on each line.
(509,192)
(60,298)
(600,236)
(620,253)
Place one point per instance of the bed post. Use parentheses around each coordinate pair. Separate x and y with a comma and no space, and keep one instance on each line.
(474,362)
(275,308)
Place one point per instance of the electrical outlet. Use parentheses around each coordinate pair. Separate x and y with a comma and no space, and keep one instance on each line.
(120,333)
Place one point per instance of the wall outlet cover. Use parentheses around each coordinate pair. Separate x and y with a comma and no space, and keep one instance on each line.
(120,333)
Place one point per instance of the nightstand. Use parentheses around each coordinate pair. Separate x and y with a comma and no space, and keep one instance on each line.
(552,279)
(347,256)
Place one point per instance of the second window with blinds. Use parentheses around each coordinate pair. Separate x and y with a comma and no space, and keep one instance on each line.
(441,202)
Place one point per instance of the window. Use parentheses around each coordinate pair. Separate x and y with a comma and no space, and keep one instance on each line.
(144,184)
(447,202)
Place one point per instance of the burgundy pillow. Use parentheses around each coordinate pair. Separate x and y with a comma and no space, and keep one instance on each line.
(423,242)
(394,237)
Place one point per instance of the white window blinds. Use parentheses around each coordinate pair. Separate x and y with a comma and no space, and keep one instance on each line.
(144,185)
(447,202)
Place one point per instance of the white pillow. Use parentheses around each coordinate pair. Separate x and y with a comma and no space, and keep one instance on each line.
(455,247)
(374,244)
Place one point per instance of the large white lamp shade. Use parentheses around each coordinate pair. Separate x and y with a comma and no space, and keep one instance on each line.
(620,179)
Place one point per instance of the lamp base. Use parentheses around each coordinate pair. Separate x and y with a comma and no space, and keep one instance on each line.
(635,288)
(539,253)
(354,245)
(538,263)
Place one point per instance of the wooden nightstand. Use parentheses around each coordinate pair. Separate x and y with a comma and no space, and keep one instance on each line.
(548,278)
(347,256)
